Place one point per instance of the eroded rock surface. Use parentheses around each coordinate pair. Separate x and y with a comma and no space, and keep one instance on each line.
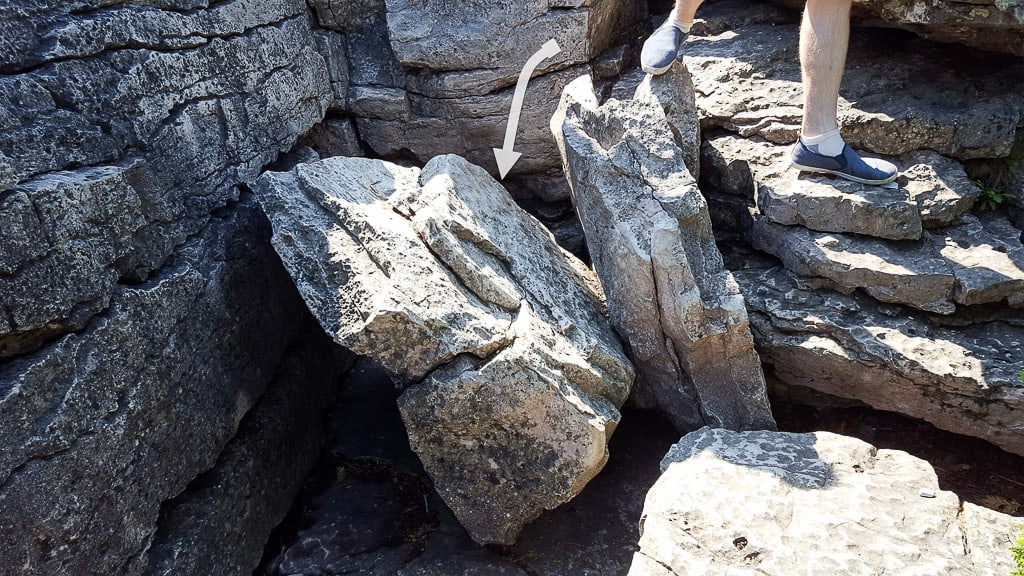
(960,376)
(747,79)
(438,275)
(783,503)
(649,235)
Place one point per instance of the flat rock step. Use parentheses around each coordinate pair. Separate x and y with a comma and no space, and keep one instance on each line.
(899,93)
(932,191)
(959,378)
(978,262)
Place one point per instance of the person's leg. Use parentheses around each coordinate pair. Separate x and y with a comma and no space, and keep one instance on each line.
(660,50)
(824,37)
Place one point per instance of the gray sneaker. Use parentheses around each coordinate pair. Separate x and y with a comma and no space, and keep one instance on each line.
(846,165)
(660,50)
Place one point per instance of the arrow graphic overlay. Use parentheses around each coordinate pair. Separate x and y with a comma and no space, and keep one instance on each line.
(506,156)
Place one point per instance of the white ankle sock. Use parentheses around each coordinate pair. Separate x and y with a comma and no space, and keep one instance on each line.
(682,26)
(829,144)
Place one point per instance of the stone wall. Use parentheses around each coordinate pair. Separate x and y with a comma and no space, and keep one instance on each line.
(142,310)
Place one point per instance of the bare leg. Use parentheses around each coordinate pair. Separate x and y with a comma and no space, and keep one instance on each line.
(824,36)
(686,10)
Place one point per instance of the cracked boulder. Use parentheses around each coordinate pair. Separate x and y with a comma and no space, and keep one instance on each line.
(959,373)
(777,503)
(649,235)
(512,376)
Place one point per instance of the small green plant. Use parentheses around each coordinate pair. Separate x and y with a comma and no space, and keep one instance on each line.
(1021,376)
(991,198)
(1018,553)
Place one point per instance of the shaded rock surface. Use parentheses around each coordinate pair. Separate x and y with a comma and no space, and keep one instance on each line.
(514,377)
(811,503)
(649,236)
(221,522)
(102,426)
(961,377)
(369,476)
(137,284)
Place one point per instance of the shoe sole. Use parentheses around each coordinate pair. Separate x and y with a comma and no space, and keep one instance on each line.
(844,175)
(656,71)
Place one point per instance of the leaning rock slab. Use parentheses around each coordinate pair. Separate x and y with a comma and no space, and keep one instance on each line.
(960,377)
(650,238)
(777,503)
(437,274)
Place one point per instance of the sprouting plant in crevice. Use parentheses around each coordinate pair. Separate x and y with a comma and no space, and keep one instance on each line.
(991,198)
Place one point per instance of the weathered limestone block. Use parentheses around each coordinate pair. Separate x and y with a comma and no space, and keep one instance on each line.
(933,191)
(779,503)
(437,274)
(977,262)
(969,107)
(650,240)
(103,425)
(961,377)
(137,127)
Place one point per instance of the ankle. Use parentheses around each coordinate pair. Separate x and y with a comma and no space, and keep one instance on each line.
(830,143)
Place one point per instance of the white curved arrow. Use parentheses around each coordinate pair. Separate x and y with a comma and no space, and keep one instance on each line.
(505,156)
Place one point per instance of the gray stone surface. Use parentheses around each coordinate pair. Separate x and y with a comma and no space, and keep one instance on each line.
(747,80)
(221,522)
(103,425)
(977,262)
(783,503)
(136,288)
(649,237)
(932,191)
(437,274)
(136,129)
(996,25)
(960,376)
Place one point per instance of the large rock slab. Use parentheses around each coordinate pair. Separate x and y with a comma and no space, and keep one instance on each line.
(649,236)
(781,503)
(438,275)
(933,191)
(980,261)
(960,376)
(747,80)
(102,426)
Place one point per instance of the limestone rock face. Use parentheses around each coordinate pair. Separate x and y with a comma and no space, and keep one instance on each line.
(960,376)
(783,503)
(424,79)
(137,284)
(969,107)
(649,236)
(514,377)
(136,129)
(996,25)
(104,425)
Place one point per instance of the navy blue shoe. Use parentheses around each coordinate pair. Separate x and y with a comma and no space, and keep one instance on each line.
(661,49)
(847,165)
